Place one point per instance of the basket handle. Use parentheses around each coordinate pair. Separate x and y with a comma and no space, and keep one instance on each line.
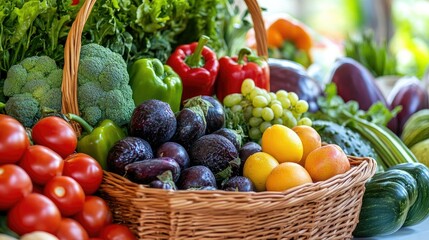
(259,27)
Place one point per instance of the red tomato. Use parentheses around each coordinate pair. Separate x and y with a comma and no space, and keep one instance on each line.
(70,229)
(116,232)
(13,140)
(66,193)
(85,170)
(94,216)
(34,212)
(14,185)
(41,164)
(56,134)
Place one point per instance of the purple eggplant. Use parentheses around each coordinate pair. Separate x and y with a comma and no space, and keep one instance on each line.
(292,77)
(149,170)
(412,96)
(355,82)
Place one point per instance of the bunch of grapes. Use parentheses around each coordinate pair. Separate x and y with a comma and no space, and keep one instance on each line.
(262,109)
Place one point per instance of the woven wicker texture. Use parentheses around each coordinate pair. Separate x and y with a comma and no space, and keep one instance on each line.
(322,210)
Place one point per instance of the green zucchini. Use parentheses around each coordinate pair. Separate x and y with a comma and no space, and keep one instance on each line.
(419,211)
(385,205)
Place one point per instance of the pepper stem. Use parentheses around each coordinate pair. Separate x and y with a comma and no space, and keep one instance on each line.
(195,58)
(242,53)
(88,128)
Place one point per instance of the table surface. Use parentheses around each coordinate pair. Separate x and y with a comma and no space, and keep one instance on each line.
(417,232)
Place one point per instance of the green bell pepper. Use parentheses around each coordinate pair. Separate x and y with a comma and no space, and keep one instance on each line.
(97,141)
(150,79)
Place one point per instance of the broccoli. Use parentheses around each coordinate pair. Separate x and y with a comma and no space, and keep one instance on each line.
(30,86)
(103,89)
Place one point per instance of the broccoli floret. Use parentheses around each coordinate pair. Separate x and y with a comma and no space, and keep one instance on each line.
(103,89)
(37,77)
(24,108)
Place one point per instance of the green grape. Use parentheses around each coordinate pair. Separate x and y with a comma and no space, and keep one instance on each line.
(285,102)
(293,98)
(296,115)
(247,86)
(273,96)
(288,119)
(267,114)
(247,112)
(277,121)
(255,121)
(301,106)
(275,101)
(260,101)
(257,112)
(255,133)
(232,99)
(236,108)
(264,126)
(255,92)
(281,93)
(277,110)
(305,121)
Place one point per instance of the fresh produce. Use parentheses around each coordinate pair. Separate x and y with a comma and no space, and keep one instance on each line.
(103,86)
(191,125)
(149,170)
(412,96)
(126,151)
(384,209)
(326,161)
(116,231)
(310,139)
(66,193)
(419,211)
(355,82)
(416,128)
(214,113)
(377,58)
(38,235)
(55,133)
(85,170)
(350,141)
(97,141)
(154,121)
(35,212)
(41,164)
(176,152)
(246,150)
(95,215)
(164,183)
(218,154)
(238,184)
(287,175)
(71,229)
(197,66)
(150,79)
(254,110)
(232,136)
(421,151)
(32,85)
(196,177)
(15,184)
(13,140)
(257,168)
(292,77)
(234,70)
(282,143)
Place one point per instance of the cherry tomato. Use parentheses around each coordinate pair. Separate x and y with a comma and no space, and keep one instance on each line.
(14,185)
(66,193)
(116,232)
(13,140)
(85,170)
(41,164)
(56,134)
(34,212)
(70,229)
(94,216)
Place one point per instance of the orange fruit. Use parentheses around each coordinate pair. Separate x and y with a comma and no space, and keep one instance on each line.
(287,175)
(282,143)
(310,139)
(326,162)
(257,168)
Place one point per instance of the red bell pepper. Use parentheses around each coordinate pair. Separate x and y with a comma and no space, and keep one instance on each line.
(234,70)
(197,66)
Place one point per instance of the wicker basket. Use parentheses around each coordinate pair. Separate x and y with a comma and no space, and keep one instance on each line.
(323,210)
